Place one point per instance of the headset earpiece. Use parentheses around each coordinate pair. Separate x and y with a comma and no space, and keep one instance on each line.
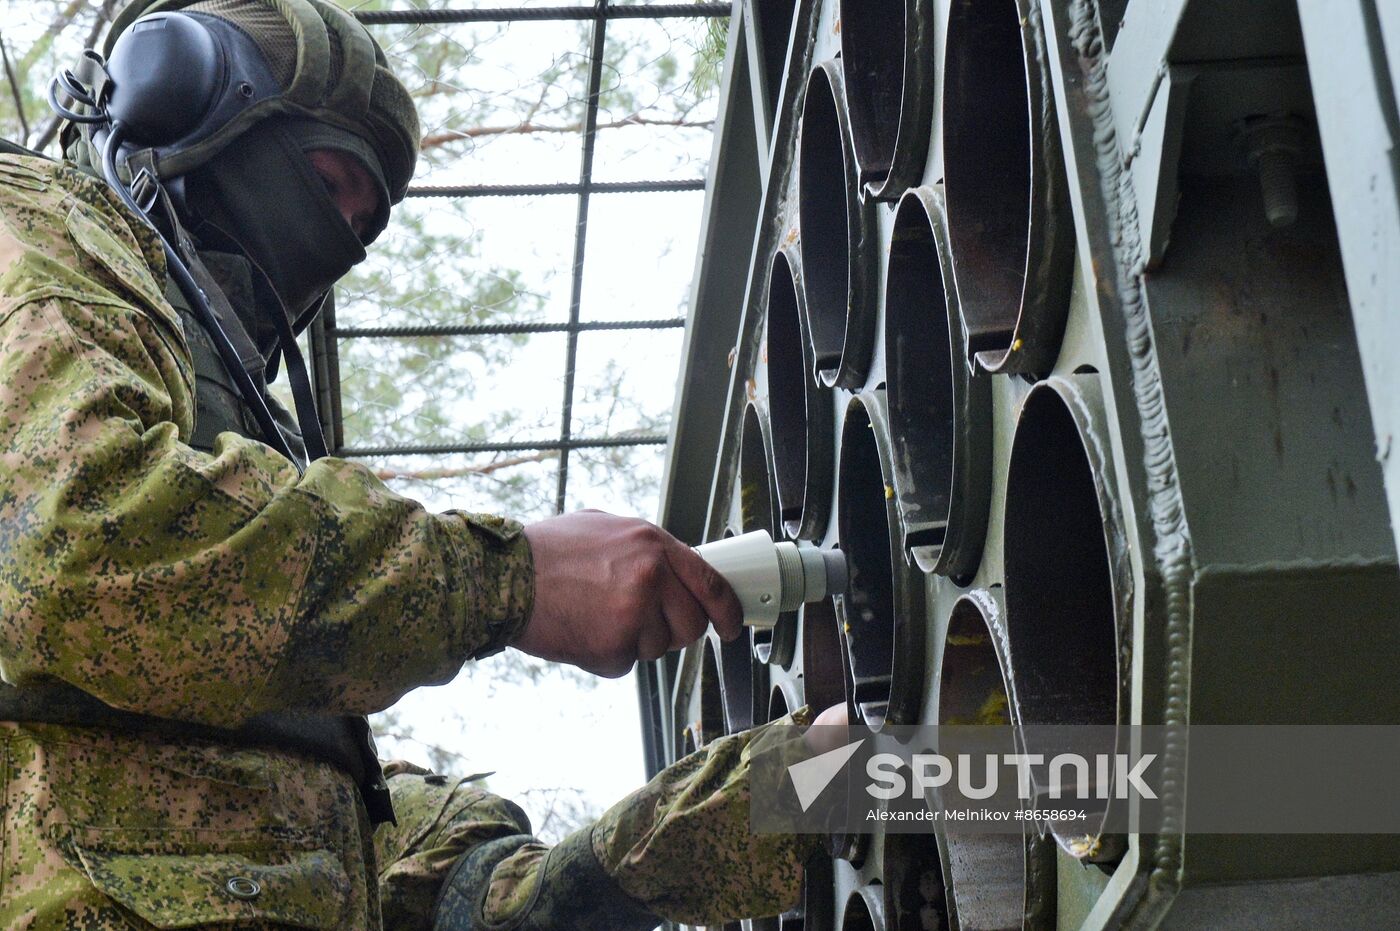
(176,78)
(171,80)
(166,74)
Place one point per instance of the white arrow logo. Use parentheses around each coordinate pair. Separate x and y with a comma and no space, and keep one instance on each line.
(811,777)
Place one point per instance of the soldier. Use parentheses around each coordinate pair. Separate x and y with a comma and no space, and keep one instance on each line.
(193,622)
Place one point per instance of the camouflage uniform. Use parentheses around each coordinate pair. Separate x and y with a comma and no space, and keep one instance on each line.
(214,587)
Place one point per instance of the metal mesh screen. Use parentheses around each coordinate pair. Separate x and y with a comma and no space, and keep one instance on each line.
(555,366)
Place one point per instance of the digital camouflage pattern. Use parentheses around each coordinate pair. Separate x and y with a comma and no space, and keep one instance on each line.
(679,848)
(207,588)
(682,846)
(112,831)
(108,831)
(214,587)
(530,886)
(439,819)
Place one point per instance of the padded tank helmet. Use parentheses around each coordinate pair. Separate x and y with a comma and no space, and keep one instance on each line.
(221,105)
(189,77)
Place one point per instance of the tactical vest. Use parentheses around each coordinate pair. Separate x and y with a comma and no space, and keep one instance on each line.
(343,740)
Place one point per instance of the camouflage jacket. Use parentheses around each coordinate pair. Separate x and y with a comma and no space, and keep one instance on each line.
(208,588)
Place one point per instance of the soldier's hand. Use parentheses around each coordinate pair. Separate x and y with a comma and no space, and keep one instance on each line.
(612,590)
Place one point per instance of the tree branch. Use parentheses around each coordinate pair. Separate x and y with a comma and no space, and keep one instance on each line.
(435,140)
(104,13)
(14,89)
(60,22)
(427,475)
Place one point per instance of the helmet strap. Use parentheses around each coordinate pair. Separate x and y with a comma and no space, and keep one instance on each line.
(303,394)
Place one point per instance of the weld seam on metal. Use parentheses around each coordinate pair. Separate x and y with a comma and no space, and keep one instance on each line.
(1135,144)
(526,14)
(1172,547)
(504,329)
(603,442)
(1303,564)
(566,187)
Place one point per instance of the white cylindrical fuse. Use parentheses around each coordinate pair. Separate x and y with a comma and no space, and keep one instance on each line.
(771,578)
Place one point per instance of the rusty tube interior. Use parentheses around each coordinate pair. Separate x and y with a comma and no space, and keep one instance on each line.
(869,601)
(757,512)
(1060,610)
(913,882)
(986,872)
(872,58)
(802,445)
(987,166)
(711,696)
(818,895)
(919,378)
(735,672)
(824,221)
(1059,585)
(823,661)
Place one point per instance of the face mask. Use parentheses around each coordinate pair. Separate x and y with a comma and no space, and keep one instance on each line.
(262,194)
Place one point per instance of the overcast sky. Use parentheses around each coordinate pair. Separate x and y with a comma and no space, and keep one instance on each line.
(641,256)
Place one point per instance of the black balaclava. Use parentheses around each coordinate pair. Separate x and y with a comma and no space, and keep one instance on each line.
(262,198)
(241,201)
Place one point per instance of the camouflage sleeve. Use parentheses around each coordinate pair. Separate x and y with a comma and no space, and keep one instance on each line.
(208,588)
(682,846)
